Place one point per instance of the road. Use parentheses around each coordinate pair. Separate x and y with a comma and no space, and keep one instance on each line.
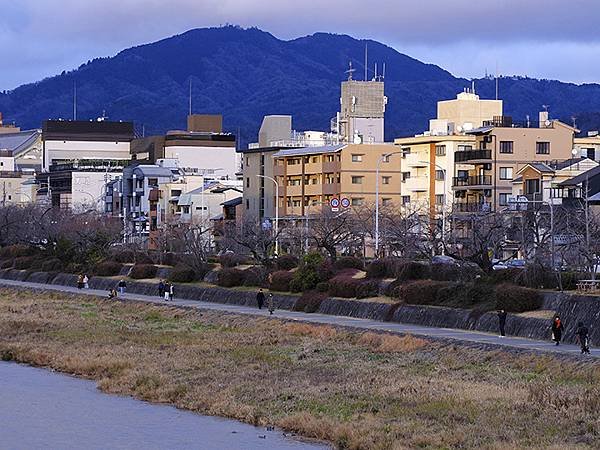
(475,337)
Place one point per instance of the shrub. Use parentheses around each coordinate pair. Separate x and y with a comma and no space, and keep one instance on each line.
(536,276)
(182,274)
(108,268)
(343,286)
(256,276)
(280,281)
(462,271)
(366,289)
(419,292)
(123,256)
(312,270)
(24,262)
(7,263)
(310,301)
(230,277)
(228,260)
(16,251)
(286,262)
(383,268)
(52,265)
(142,271)
(467,295)
(168,259)
(322,286)
(349,262)
(570,279)
(517,299)
(413,270)
(504,275)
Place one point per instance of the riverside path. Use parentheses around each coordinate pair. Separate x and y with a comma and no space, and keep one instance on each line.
(468,336)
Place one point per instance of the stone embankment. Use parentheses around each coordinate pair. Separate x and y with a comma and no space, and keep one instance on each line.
(572,308)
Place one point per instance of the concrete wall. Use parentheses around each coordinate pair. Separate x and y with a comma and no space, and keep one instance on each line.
(199,157)
(71,150)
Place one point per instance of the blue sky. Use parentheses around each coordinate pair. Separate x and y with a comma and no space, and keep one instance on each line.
(544,39)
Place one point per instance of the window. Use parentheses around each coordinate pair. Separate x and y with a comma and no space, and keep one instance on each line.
(405,199)
(357,201)
(532,186)
(386,180)
(385,158)
(357,180)
(386,201)
(247,161)
(506,146)
(503,199)
(294,182)
(357,158)
(315,159)
(439,199)
(506,173)
(405,176)
(405,151)
(464,148)
(439,175)
(542,148)
(293,161)
(462,174)
(247,182)
(440,150)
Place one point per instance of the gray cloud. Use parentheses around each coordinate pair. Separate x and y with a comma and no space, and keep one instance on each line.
(42,37)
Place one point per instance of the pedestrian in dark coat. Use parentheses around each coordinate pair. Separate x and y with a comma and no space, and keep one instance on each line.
(557,329)
(260,298)
(271,303)
(122,286)
(502,321)
(161,289)
(80,282)
(583,337)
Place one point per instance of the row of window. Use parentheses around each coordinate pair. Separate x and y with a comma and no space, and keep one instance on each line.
(541,147)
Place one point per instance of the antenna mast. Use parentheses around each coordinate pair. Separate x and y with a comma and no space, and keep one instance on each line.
(350,71)
(366,61)
(190,97)
(74,100)
(496,80)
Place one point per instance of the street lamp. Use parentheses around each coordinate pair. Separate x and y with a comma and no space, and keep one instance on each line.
(276,210)
(379,161)
(443,204)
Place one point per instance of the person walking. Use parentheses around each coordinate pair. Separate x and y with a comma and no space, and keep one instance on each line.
(583,338)
(167,292)
(271,303)
(122,287)
(171,291)
(86,282)
(557,329)
(502,322)
(260,298)
(161,289)
(80,281)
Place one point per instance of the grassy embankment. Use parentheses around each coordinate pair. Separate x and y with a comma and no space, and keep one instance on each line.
(358,390)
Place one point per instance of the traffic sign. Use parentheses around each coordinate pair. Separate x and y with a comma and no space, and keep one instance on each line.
(345,202)
(335,204)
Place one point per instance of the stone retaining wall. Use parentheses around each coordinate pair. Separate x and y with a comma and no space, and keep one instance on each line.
(572,308)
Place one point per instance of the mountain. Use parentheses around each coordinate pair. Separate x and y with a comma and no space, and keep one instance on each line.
(245,74)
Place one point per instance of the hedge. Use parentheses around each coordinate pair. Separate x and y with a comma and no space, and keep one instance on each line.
(16,251)
(343,286)
(143,271)
(256,276)
(286,262)
(383,268)
(182,274)
(228,260)
(349,262)
(24,262)
(280,280)
(517,299)
(52,265)
(108,268)
(230,277)
(310,301)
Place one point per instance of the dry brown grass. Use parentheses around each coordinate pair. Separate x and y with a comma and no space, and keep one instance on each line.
(357,390)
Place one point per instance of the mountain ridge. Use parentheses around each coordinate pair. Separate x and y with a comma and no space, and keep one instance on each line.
(245,74)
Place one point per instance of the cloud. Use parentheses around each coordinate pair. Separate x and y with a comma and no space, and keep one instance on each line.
(39,37)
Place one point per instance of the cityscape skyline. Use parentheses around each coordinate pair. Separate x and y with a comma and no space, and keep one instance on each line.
(38,40)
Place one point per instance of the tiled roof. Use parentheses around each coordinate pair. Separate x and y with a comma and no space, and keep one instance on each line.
(16,142)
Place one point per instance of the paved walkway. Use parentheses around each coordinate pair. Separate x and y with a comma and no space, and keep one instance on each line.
(476,337)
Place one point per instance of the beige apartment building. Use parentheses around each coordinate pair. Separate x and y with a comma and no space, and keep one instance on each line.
(312,176)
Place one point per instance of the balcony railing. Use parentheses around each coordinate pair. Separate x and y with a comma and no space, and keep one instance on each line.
(478,180)
(471,207)
(472,155)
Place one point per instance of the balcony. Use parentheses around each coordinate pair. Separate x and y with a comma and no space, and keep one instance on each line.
(331,189)
(278,171)
(473,181)
(331,166)
(472,156)
(294,169)
(313,189)
(471,207)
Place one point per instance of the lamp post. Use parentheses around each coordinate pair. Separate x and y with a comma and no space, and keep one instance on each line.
(276,210)
(443,204)
(379,161)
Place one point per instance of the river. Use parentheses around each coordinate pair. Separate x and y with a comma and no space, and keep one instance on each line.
(40,409)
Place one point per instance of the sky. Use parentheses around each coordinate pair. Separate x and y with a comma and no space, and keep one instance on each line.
(554,39)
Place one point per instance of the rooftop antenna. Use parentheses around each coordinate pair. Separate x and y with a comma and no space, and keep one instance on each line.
(375,79)
(546,107)
(190,97)
(496,80)
(350,71)
(74,100)
(472,86)
(574,119)
(366,61)
(384,71)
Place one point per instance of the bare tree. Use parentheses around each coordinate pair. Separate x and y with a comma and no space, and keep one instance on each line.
(252,236)
(333,231)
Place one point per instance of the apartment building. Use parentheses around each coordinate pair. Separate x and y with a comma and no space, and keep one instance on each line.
(312,176)
(20,160)
(483,179)
(201,149)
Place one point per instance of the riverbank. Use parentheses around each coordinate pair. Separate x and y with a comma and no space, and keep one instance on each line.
(358,390)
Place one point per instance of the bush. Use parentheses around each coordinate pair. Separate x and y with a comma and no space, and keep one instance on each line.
(108,268)
(343,286)
(123,256)
(16,251)
(383,268)
(7,263)
(419,292)
(413,270)
(310,301)
(461,271)
(228,260)
(467,296)
(182,274)
(143,271)
(366,289)
(536,276)
(349,262)
(570,279)
(230,277)
(168,259)
(52,265)
(24,262)
(280,281)
(313,269)
(322,286)
(256,276)
(517,299)
(286,262)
